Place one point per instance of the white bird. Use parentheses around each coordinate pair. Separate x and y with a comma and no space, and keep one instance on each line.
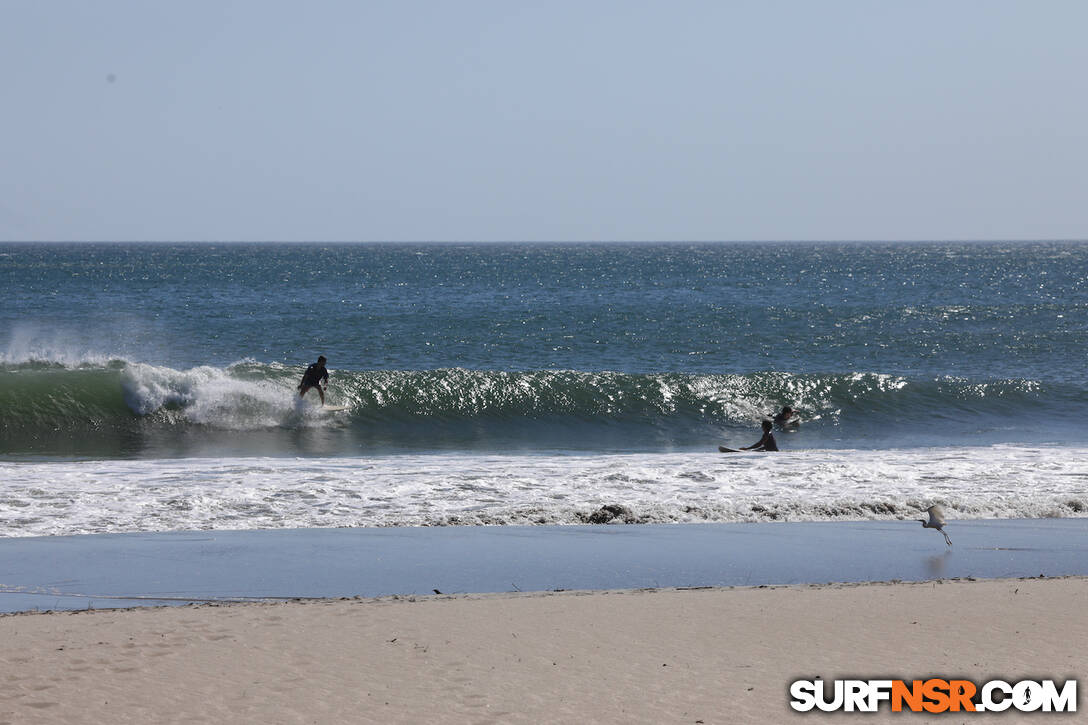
(936,521)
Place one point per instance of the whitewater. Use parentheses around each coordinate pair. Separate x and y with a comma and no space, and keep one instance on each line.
(111,496)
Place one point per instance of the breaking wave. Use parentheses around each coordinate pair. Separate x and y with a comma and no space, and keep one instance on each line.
(46,406)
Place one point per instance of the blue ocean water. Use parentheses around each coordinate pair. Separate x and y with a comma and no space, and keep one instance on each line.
(502,359)
(115,349)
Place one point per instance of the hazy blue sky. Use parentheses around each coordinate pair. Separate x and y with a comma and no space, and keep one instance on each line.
(554,120)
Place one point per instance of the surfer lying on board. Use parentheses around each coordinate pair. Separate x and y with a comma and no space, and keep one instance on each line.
(786,417)
(312,379)
(766,443)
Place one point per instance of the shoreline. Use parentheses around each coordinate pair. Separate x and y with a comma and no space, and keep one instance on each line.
(257,603)
(122,570)
(666,655)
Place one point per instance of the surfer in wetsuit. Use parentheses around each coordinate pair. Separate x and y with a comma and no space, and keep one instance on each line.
(313,377)
(785,417)
(766,443)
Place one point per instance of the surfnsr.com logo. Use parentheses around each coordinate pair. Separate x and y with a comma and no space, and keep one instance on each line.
(933,695)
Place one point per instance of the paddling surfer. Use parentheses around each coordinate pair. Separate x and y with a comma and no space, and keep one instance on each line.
(313,377)
(766,443)
(786,417)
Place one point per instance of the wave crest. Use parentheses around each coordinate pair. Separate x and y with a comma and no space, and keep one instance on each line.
(48,400)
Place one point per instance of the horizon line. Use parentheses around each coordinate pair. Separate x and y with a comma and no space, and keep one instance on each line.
(994,240)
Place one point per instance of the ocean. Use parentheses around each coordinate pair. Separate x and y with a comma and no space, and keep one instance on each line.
(152,387)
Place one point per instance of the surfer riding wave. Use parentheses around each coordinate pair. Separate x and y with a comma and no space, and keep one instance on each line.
(313,378)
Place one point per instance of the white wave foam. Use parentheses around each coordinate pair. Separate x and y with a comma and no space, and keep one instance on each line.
(250,493)
(215,397)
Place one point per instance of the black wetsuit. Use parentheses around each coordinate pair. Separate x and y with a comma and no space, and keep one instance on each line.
(314,375)
(767,443)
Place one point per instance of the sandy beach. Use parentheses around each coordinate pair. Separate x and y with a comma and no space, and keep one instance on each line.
(670,655)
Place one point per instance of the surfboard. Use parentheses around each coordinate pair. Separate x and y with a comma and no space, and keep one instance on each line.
(302,404)
(723,449)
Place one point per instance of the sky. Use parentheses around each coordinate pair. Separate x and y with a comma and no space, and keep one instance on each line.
(511,120)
